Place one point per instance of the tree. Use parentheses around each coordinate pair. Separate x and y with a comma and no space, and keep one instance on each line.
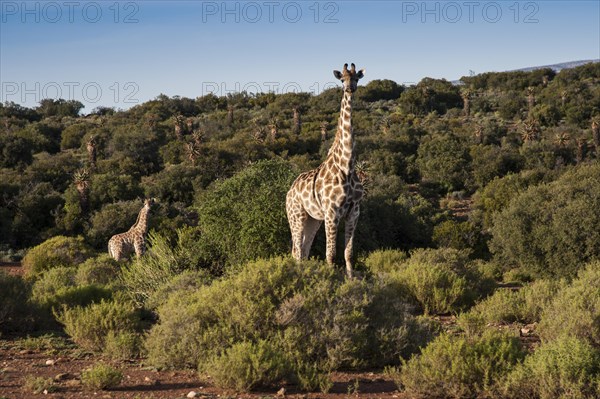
(530,131)
(243,217)
(551,229)
(49,107)
(324,126)
(297,120)
(274,128)
(378,89)
(466,94)
(82,182)
(92,151)
(444,159)
(596,134)
(530,98)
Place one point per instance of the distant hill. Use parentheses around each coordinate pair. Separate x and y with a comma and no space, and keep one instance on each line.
(555,67)
(558,67)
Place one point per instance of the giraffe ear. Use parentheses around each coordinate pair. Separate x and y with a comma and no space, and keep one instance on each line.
(337,74)
(361,73)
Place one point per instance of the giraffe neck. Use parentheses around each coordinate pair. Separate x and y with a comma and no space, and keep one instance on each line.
(342,150)
(141,224)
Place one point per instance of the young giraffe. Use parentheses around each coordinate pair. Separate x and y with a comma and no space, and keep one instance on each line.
(332,191)
(133,240)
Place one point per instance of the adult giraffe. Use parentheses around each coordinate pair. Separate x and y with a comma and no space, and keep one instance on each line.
(332,191)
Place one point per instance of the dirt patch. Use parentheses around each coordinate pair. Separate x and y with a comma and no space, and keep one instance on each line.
(12,268)
(141,382)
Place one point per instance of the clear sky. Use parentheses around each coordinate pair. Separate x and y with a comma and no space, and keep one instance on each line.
(119,53)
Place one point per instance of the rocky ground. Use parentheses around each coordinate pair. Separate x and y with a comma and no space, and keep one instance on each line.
(62,371)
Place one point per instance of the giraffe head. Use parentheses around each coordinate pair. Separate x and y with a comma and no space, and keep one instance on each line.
(149,202)
(349,77)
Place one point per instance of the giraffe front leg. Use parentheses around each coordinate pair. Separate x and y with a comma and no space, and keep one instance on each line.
(331,225)
(296,219)
(351,221)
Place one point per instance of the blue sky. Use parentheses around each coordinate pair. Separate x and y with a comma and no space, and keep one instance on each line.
(119,53)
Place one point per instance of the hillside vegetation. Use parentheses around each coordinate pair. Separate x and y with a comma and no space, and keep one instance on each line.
(470,187)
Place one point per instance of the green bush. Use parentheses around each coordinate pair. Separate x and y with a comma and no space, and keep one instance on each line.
(247,365)
(537,296)
(497,194)
(57,251)
(237,228)
(14,311)
(575,309)
(145,277)
(188,280)
(442,280)
(38,385)
(89,326)
(307,309)
(504,306)
(437,289)
(458,367)
(491,161)
(101,376)
(52,281)
(472,323)
(100,270)
(517,275)
(57,287)
(443,158)
(123,345)
(459,235)
(385,260)
(72,135)
(510,306)
(535,232)
(391,217)
(565,368)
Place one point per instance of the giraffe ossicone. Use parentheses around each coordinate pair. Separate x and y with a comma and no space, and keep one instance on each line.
(133,240)
(332,192)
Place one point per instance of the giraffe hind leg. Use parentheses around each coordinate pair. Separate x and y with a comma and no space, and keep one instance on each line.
(311,226)
(139,248)
(112,249)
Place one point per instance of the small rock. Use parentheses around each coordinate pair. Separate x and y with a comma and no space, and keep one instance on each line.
(45,392)
(25,352)
(63,377)
(192,394)
(147,379)
(281,392)
(72,383)
(50,362)
(528,329)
